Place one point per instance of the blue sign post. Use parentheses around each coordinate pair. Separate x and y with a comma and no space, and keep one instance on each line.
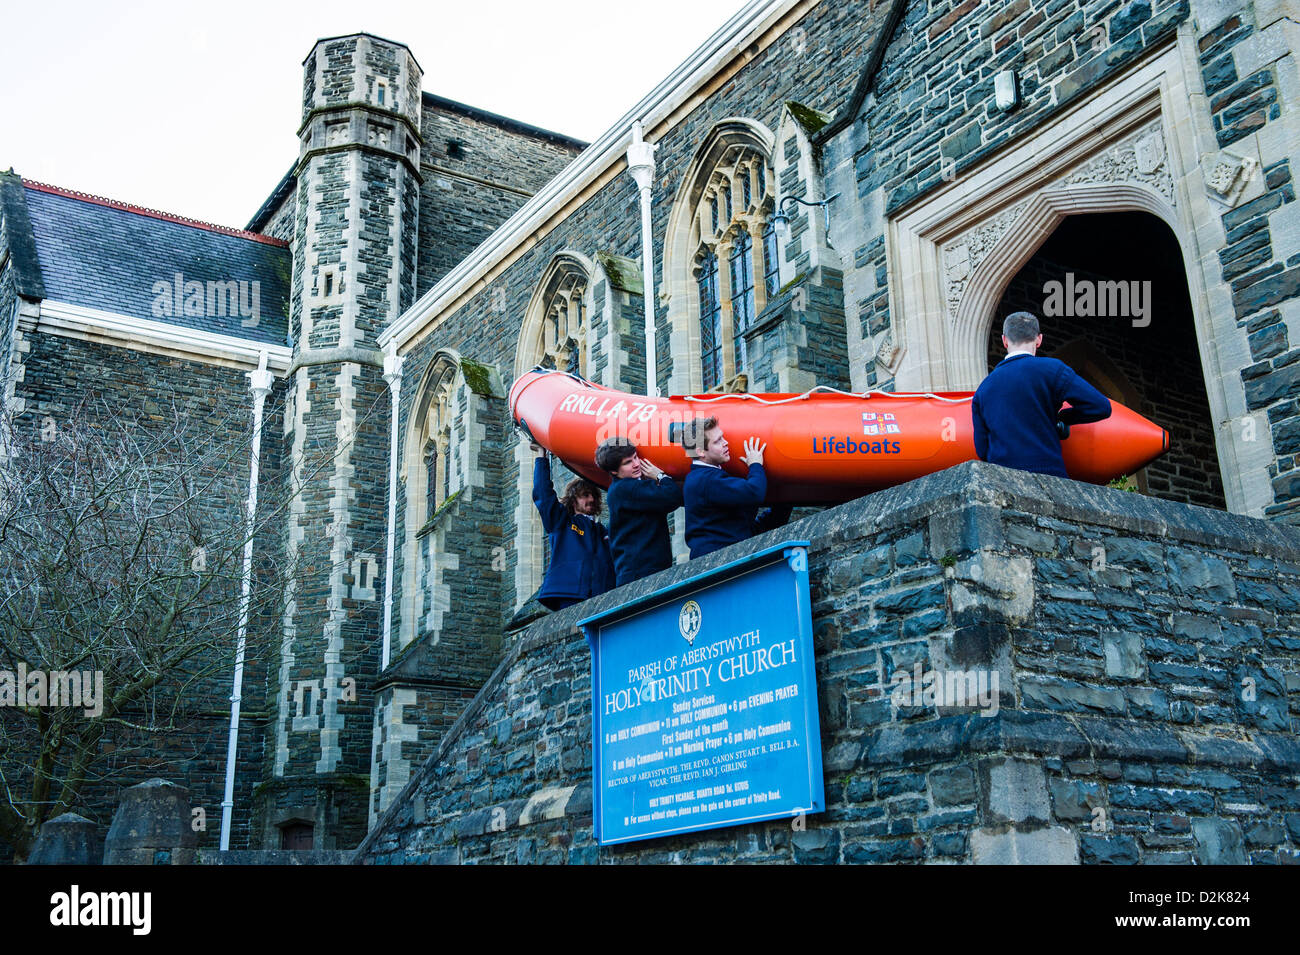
(704,702)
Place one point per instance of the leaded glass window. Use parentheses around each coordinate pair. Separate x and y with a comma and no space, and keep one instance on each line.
(771,268)
(742,294)
(710,320)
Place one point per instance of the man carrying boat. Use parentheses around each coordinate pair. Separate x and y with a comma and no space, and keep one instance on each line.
(581,565)
(720,509)
(641,497)
(1016,411)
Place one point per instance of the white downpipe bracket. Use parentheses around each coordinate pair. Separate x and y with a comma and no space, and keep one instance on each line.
(259,383)
(392,375)
(641,164)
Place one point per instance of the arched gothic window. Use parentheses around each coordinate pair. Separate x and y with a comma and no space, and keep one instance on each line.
(437,464)
(730,246)
(564,324)
(771,270)
(435,406)
(554,335)
(742,292)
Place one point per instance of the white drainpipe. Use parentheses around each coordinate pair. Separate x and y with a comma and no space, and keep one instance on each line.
(641,164)
(392,375)
(259,382)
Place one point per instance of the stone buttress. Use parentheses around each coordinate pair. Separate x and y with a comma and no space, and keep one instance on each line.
(356,223)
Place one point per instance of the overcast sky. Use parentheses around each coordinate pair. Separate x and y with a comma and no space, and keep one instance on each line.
(194,110)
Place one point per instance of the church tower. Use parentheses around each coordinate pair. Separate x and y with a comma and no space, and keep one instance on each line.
(354,252)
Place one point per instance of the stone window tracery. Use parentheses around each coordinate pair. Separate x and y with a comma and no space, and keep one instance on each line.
(554,334)
(563,344)
(439,464)
(434,439)
(736,236)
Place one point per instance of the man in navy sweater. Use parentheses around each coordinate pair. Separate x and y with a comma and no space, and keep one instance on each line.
(581,565)
(721,509)
(1017,411)
(640,499)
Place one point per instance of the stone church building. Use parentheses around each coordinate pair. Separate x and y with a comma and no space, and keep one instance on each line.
(951,160)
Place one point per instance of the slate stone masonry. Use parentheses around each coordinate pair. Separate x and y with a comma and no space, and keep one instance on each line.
(1149,678)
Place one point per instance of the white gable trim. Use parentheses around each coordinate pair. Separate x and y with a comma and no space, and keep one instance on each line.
(159,338)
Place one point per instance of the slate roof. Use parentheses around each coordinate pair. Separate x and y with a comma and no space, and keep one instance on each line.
(111,256)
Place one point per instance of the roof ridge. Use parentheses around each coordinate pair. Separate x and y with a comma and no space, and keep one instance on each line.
(154,213)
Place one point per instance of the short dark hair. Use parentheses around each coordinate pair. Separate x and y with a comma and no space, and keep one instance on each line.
(577,487)
(612,452)
(692,435)
(1020,328)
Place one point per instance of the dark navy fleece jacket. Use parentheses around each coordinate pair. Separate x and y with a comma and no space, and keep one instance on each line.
(1015,410)
(722,510)
(638,526)
(581,565)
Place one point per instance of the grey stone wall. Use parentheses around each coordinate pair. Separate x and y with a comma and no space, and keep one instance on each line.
(801,331)
(1239,64)
(189,746)
(1149,687)
(933,104)
(280,225)
(873,307)
(20,275)
(477,171)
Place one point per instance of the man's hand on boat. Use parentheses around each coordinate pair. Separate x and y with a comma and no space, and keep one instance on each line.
(650,471)
(753,451)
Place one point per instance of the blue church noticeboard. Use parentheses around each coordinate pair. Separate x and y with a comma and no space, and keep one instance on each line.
(704,702)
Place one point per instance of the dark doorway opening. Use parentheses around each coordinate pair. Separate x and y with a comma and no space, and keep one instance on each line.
(1110,293)
(297,836)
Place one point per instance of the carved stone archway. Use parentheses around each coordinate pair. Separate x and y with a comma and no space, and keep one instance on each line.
(973,299)
(1135,145)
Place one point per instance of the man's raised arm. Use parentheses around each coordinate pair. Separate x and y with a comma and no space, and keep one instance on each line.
(548,505)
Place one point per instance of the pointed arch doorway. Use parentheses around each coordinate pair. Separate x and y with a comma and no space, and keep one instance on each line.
(1111,295)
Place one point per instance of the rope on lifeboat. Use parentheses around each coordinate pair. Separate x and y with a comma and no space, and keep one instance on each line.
(825,388)
(745,396)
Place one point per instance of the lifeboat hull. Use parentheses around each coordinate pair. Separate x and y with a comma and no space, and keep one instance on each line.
(821,447)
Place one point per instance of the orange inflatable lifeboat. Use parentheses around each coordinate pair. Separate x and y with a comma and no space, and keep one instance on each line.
(824,446)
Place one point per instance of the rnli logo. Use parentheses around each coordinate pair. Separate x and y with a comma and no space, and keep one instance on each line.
(688,621)
(876,423)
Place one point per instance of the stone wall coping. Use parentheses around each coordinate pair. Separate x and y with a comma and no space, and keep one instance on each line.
(772,551)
